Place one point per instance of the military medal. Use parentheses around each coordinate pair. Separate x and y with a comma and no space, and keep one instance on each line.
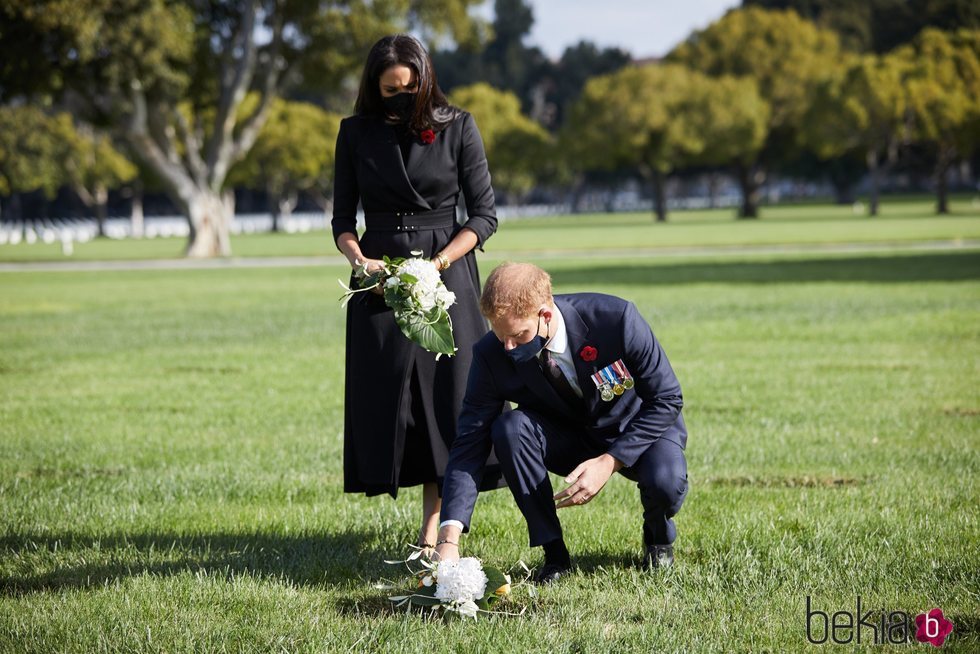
(605,391)
(617,387)
(612,382)
(624,374)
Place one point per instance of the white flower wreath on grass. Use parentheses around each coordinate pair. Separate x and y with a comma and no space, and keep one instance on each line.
(466,586)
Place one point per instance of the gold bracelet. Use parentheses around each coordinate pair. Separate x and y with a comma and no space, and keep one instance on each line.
(443,261)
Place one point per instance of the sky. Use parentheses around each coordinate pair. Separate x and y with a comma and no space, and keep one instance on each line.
(644,28)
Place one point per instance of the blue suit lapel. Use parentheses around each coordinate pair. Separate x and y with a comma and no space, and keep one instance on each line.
(578,337)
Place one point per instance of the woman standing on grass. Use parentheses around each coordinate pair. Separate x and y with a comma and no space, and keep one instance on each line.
(406,155)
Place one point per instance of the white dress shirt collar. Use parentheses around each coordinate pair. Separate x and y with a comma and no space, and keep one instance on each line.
(558,342)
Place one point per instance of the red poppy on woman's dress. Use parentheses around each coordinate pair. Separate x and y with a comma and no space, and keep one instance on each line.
(427,136)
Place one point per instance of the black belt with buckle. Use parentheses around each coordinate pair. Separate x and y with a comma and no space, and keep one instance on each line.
(410,221)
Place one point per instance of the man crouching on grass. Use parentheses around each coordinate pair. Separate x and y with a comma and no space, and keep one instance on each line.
(595,395)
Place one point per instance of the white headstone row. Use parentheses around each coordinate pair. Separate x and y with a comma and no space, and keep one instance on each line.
(80,230)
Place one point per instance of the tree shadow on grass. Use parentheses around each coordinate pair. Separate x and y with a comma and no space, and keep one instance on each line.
(949,267)
(305,560)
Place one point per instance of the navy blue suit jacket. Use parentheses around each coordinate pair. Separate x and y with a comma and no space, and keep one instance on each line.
(625,427)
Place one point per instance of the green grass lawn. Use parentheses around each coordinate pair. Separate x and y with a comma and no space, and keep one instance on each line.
(901,221)
(171,464)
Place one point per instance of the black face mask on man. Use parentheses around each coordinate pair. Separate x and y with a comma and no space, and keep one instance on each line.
(529,350)
(401,105)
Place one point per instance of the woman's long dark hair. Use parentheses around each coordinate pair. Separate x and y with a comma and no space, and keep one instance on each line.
(432,110)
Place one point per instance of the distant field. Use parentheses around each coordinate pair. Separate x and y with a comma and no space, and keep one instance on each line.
(171,461)
(901,221)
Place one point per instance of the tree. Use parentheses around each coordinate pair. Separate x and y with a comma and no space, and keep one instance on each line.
(90,164)
(880,25)
(516,145)
(170,76)
(294,151)
(861,110)
(28,152)
(657,118)
(579,63)
(943,93)
(786,56)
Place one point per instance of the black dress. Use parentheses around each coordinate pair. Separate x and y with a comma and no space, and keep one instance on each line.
(401,405)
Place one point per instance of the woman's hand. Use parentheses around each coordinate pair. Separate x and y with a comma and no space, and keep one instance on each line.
(368,266)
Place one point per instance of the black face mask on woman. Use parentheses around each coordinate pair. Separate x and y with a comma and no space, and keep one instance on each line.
(401,105)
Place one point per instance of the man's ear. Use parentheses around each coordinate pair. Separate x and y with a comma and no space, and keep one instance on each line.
(546,313)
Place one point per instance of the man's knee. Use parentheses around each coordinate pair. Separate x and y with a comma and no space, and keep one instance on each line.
(507,429)
(664,480)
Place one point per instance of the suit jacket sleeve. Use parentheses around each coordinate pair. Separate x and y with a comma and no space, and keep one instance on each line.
(345,191)
(655,385)
(482,405)
(474,179)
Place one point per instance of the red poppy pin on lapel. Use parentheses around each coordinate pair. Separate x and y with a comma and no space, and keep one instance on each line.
(588,353)
(427,136)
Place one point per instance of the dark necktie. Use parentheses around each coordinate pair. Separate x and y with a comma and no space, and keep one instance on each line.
(557,379)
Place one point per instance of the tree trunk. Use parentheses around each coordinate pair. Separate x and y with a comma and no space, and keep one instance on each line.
(210,216)
(942,189)
(578,189)
(136,210)
(750,179)
(274,204)
(660,196)
(875,173)
(101,198)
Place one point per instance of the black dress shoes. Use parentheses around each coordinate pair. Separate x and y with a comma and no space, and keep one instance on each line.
(659,556)
(551,572)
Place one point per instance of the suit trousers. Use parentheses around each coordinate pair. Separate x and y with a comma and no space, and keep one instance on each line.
(529,445)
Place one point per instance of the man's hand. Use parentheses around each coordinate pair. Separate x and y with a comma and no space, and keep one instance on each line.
(587,480)
(448,547)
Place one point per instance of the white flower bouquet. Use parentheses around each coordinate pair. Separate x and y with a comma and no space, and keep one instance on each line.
(415,292)
(466,587)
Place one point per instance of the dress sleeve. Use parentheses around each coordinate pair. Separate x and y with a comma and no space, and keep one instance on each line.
(474,179)
(345,192)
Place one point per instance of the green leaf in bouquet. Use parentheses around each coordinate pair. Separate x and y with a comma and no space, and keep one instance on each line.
(433,336)
(418,599)
(495,579)
(393,298)
(373,279)
(428,591)
(408,279)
